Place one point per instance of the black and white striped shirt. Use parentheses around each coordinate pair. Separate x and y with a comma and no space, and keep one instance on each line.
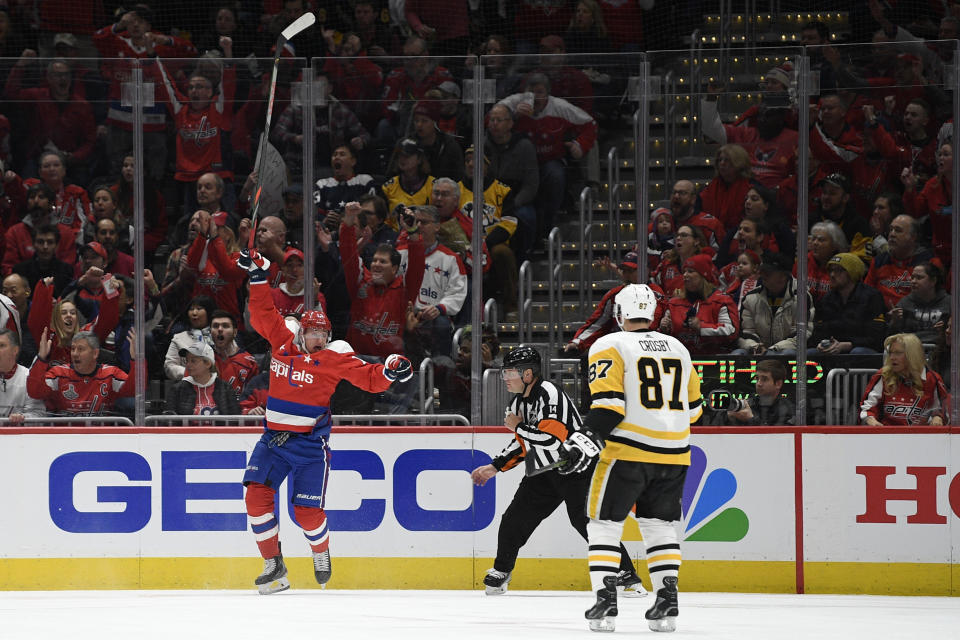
(548,416)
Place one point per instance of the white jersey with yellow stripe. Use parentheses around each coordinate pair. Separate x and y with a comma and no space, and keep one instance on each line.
(647,377)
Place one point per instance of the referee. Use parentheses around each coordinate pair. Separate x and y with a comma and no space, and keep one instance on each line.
(542,416)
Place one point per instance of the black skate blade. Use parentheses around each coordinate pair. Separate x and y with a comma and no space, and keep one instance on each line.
(274,586)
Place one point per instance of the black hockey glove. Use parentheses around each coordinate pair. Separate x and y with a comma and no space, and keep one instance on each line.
(579,449)
(281,438)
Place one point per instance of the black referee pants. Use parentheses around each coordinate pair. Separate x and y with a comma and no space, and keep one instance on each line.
(536,498)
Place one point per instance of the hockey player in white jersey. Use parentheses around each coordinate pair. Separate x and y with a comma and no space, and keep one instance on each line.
(645,394)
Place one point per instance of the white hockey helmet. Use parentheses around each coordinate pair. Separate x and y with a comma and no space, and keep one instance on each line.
(634,302)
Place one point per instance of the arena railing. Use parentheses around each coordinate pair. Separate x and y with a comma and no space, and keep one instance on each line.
(372,419)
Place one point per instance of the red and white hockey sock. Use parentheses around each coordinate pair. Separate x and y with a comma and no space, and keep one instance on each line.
(313,521)
(261,501)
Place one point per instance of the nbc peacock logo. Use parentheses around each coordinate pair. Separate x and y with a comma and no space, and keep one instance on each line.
(706,516)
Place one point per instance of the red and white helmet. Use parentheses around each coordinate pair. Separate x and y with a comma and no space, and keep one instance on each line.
(314,320)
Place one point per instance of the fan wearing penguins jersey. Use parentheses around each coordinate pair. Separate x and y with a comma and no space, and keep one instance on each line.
(541,416)
(304,372)
(645,395)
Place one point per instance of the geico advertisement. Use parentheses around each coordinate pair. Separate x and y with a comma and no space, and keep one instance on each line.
(389,494)
(881,497)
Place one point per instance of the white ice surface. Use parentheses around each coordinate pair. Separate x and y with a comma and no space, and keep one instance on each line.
(458,615)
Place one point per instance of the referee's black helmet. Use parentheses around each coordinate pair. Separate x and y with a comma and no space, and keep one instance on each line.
(521,358)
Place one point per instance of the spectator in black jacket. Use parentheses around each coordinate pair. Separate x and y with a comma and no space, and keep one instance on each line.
(513,161)
(45,263)
(442,150)
(201,392)
(768,406)
(926,309)
(850,317)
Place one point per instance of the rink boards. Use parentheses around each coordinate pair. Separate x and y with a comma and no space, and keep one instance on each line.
(836,510)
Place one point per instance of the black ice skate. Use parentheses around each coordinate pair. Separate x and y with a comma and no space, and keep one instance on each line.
(274,576)
(629,585)
(496,582)
(322,567)
(603,615)
(662,616)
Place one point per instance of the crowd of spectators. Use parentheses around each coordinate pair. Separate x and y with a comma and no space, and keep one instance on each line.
(394,164)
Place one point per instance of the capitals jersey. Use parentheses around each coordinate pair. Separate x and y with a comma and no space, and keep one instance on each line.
(904,406)
(300,383)
(237,369)
(548,417)
(200,134)
(647,377)
(65,390)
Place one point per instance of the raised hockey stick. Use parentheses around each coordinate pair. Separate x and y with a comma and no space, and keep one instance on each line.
(295,27)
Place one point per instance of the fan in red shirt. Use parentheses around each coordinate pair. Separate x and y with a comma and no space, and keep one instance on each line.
(214,264)
(890,272)
(702,317)
(771,145)
(288,296)
(723,197)
(133,38)
(202,118)
(683,200)
(56,113)
(833,140)
(380,296)
(905,392)
(669,274)
(83,387)
(62,320)
(936,201)
(235,366)
(71,207)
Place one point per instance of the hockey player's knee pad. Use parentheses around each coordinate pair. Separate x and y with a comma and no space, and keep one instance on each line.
(260,499)
(309,518)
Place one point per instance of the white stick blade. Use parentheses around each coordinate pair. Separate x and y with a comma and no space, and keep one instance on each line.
(298,25)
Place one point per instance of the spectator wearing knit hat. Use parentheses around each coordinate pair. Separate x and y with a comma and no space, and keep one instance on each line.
(834,206)
(660,238)
(850,317)
(441,149)
(703,318)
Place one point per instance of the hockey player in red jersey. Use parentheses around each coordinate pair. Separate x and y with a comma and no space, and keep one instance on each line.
(304,372)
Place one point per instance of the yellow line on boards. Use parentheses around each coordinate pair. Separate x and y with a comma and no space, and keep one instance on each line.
(551,574)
